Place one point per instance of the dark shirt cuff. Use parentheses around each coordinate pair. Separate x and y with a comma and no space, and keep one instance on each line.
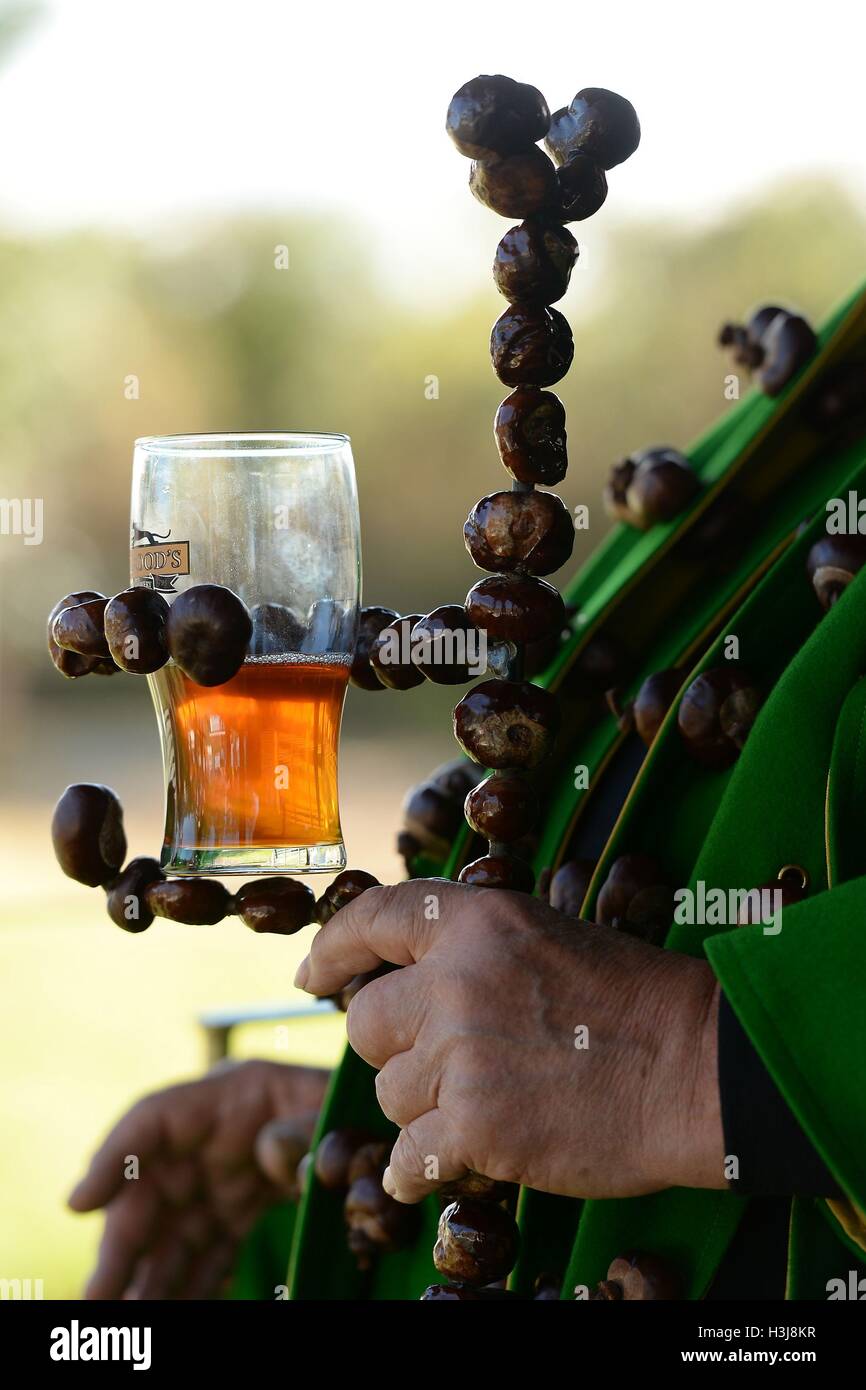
(774,1157)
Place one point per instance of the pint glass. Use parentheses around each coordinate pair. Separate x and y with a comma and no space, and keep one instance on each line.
(251,766)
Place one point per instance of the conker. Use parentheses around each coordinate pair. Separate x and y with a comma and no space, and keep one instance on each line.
(334,1152)
(280,1147)
(499,871)
(371,621)
(126,895)
(600,124)
(515,608)
(80,628)
(524,532)
(642,1277)
(502,807)
(375,1223)
(197,902)
(433,817)
(651,486)
(646,712)
(135,630)
(534,261)
(391,655)
(441,642)
(507,723)
(516,185)
(87,833)
(531,346)
(477,1242)
(569,886)
(716,714)
(635,897)
(208,632)
(474,1184)
(347,886)
(279,906)
(494,115)
(581,188)
(69,663)
(530,436)
(277,629)
(832,563)
(788,344)
(369,1161)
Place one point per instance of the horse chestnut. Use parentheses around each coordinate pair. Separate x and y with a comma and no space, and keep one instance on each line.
(534,261)
(569,886)
(524,532)
(788,344)
(530,436)
(126,900)
(581,188)
(515,608)
(716,714)
(87,833)
(197,902)
(531,346)
(507,723)
(80,628)
(277,629)
(135,623)
(832,563)
(502,807)
(334,1152)
(651,486)
(208,632)
(598,123)
(279,906)
(646,712)
(347,886)
(494,115)
(70,663)
(477,1242)
(499,871)
(516,185)
(635,897)
(371,621)
(442,643)
(391,655)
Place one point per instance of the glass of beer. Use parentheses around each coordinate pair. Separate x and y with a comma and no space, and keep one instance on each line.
(251,766)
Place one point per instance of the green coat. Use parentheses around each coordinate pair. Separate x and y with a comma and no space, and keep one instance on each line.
(794,796)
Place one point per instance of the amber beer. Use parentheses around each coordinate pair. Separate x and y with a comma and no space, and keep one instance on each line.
(252,764)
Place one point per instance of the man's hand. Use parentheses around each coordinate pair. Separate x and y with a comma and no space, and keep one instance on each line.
(173,1230)
(527,1046)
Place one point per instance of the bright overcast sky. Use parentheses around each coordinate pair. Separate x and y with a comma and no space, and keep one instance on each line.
(144,112)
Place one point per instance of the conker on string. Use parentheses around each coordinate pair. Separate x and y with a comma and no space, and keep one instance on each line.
(476,1185)
(369,1160)
(375,1223)
(581,188)
(499,871)
(651,486)
(502,807)
(69,663)
(531,346)
(208,631)
(516,185)
(524,532)
(280,1147)
(646,712)
(87,833)
(277,629)
(477,1242)
(569,886)
(534,261)
(832,563)
(515,608)
(494,115)
(80,628)
(126,900)
(530,436)
(334,1152)
(279,906)
(441,642)
(635,897)
(371,621)
(598,123)
(197,902)
(347,886)
(432,817)
(507,723)
(391,655)
(788,344)
(745,341)
(135,630)
(716,714)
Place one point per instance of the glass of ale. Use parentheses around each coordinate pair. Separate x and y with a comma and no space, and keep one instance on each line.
(251,766)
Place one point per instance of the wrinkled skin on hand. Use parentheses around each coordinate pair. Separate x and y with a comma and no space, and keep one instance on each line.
(174,1231)
(475,1043)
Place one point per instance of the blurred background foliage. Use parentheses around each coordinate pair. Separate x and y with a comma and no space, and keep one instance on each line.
(218,339)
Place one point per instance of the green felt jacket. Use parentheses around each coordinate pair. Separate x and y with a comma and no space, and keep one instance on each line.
(670,597)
